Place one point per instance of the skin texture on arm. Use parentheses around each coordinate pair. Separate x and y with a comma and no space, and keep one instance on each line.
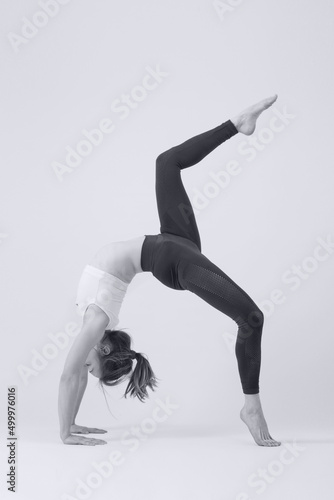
(79,429)
(82,387)
(92,331)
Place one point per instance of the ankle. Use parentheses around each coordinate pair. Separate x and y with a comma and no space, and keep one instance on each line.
(252,402)
(237,121)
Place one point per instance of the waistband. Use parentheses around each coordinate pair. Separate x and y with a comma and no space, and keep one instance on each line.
(147,252)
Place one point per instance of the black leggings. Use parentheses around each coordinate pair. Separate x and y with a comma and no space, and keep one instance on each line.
(174,256)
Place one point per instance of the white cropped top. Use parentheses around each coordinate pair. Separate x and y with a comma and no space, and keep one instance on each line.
(102,289)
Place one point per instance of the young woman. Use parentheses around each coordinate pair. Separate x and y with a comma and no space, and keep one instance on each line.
(174,257)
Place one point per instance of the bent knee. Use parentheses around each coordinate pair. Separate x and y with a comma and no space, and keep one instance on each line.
(165,158)
(252,317)
(160,160)
(256,317)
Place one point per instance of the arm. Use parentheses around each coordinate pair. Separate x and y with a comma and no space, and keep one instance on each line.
(82,387)
(91,333)
(80,429)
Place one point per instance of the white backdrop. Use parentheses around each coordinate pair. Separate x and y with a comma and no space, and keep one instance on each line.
(152,74)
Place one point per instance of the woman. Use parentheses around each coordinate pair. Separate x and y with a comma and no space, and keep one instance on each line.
(174,257)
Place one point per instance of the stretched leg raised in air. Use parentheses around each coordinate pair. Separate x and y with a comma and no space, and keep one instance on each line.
(197,274)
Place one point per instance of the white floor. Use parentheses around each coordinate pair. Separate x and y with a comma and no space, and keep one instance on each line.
(174,464)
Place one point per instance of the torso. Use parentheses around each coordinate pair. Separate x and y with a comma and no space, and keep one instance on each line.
(120,258)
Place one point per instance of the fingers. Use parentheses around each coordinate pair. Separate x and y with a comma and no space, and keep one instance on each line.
(89,430)
(98,441)
(87,443)
(91,441)
(80,440)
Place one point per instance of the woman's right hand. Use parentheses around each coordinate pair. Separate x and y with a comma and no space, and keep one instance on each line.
(71,439)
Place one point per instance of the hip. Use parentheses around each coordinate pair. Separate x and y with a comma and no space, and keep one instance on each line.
(163,255)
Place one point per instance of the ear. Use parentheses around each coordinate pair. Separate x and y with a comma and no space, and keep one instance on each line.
(105,350)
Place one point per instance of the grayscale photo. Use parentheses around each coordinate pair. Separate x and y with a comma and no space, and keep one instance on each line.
(167,250)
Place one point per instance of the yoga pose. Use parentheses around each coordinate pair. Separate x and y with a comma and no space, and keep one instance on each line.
(174,257)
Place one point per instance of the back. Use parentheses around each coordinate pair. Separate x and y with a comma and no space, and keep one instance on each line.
(120,258)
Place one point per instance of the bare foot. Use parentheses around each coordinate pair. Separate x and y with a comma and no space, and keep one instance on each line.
(252,415)
(245,122)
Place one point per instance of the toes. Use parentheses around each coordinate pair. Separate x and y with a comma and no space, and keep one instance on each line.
(264,440)
(274,443)
(277,443)
(268,442)
(264,443)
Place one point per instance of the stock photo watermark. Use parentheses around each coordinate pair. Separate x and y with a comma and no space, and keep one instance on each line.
(292,278)
(225,8)
(59,341)
(31,27)
(122,108)
(131,441)
(263,477)
(249,149)
(11,438)
(41,358)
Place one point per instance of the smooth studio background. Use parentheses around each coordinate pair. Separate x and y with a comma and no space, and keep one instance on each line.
(266,220)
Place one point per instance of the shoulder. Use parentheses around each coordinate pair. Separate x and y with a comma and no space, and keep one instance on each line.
(91,333)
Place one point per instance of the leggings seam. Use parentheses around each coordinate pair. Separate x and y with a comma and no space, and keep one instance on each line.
(231,282)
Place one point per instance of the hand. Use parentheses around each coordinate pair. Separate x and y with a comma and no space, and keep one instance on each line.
(79,429)
(82,440)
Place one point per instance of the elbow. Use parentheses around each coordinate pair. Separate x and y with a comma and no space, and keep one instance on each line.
(67,376)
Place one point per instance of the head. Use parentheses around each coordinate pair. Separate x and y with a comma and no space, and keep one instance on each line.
(113,361)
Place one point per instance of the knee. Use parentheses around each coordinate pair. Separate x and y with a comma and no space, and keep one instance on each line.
(252,319)
(161,160)
(256,318)
(164,158)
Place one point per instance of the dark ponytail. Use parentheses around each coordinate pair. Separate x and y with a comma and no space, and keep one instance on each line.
(116,362)
(141,378)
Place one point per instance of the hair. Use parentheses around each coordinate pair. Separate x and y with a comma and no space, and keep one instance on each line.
(116,361)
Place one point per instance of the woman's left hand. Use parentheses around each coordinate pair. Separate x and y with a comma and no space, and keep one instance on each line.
(79,429)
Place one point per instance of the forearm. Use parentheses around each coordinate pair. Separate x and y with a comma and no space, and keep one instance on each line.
(81,391)
(68,391)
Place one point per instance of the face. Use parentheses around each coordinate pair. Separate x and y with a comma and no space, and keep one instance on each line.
(93,363)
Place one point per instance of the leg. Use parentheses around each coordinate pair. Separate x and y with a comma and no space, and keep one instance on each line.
(175,211)
(200,276)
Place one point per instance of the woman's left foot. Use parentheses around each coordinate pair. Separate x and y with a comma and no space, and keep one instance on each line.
(245,122)
(252,415)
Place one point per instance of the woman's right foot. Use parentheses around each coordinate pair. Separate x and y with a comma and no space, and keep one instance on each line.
(245,122)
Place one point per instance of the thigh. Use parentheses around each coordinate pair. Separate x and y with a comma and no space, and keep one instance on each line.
(174,207)
(200,276)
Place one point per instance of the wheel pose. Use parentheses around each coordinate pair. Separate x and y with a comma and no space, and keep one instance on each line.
(174,257)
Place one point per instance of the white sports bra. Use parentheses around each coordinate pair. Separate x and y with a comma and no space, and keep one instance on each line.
(102,289)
